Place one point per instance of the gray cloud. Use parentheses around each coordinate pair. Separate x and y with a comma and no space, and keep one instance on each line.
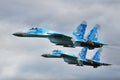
(20,58)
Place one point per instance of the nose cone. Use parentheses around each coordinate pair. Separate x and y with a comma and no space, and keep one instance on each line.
(45,55)
(19,34)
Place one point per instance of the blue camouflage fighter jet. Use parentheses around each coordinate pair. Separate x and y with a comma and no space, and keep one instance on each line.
(79,60)
(64,40)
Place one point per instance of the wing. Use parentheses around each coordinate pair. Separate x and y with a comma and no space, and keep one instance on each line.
(80,31)
(93,36)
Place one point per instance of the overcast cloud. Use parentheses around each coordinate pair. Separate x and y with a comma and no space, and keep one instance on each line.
(20,58)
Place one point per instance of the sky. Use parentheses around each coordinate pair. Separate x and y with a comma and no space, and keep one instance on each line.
(20,58)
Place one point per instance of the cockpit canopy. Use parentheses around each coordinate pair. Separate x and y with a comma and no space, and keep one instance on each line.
(40,29)
(57,52)
(33,28)
(37,31)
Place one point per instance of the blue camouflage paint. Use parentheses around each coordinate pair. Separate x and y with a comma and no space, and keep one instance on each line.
(93,34)
(80,31)
(83,54)
(59,53)
(56,53)
(41,31)
(96,57)
(70,54)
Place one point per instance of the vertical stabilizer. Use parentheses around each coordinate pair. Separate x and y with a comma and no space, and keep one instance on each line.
(96,57)
(82,54)
(80,31)
(93,36)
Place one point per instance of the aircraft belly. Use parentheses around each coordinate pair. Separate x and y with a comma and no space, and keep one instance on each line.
(60,41)
(91,63)
(87,44)
(70,61)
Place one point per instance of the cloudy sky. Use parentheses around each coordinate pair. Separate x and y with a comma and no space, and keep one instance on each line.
(20,58)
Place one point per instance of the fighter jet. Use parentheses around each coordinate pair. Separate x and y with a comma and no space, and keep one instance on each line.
(64,40)
(55,37)
(79,60)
